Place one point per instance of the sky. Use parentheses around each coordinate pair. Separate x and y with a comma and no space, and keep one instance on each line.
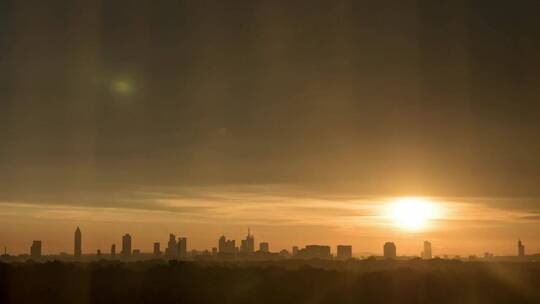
(303,120)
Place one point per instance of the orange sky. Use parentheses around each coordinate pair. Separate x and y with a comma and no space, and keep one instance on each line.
(280,215)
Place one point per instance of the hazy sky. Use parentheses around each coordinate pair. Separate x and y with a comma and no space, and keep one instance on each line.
(300,119)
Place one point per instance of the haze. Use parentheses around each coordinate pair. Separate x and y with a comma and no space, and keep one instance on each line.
(302,121)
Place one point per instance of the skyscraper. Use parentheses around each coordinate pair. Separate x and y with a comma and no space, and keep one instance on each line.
(35,250)
(389,250)
(248,245)
(521,249)
(344,252)
(182,247)
(157,251)
(226,246)
(113,250)
(77,252)
(426,254)
(126,245)
(172,246)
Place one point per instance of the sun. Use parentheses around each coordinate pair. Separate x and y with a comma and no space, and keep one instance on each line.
(412,213)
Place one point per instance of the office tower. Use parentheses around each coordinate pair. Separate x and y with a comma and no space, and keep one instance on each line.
(35,250)
(264,247)
(521,249)
(315,251)
(248,245)
(172,246)
(126,245)
(295,250)
(344,252)
(157,251)
(390,250)
(182,247)
(226,246)
(113,250)
(426,254)
(77,252)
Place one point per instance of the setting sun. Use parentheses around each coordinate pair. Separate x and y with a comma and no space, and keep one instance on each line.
(413,213)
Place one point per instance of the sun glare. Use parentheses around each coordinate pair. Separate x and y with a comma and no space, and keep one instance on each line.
(413,214)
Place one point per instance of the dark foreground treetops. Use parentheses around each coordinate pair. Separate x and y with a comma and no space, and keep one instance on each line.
(296,282)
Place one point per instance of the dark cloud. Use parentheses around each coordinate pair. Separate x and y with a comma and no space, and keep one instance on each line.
(363,97)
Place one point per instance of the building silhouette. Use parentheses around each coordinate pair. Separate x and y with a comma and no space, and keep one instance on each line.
(295,251)
(126,245)
(77,251)
(35,250)
(157,251)
(226,246)
(172,246)
(248,245)
(344,252)
(315,252)
(113,250)
(427,254)
(182,247)
(264,247)
(389,250)
(521,249)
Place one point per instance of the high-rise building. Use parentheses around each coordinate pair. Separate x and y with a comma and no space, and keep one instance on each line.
(113,250)
(182,247)
(172,246)
(426,254)
(248,245)
(264,247)
(98,253)
(35,250)
(521,249)
(344,252)
(295,250)
(389,250)
(77,252)
(226,246)
(126,245)
(157,251)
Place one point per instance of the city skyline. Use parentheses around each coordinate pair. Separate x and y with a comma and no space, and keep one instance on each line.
(178,248)
(301,119)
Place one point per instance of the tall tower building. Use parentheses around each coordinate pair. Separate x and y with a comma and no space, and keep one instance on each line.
(126,245)
(157,251)
(77,252)
(172,246)
(521,249)
(426,254)
(226,246)
(248,245)
(35,250)
(389,250)
(113,250)
(182,247)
